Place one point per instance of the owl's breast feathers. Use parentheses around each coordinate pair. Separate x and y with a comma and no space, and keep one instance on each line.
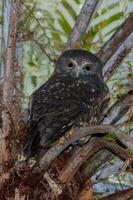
(59,104)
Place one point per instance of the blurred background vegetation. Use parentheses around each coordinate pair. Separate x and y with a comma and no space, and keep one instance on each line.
(46,27)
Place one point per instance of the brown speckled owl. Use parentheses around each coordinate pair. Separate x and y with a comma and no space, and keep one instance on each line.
(70,98)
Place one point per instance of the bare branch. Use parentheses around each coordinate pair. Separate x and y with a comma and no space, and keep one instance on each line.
(119,112)
(44,51)
(82,22)
(118,57)
(89,149)
(122,195)
(118,38)
(92,164)
(74,136)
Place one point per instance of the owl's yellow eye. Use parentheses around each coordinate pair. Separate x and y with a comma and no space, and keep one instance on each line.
(88,67)
(70,64)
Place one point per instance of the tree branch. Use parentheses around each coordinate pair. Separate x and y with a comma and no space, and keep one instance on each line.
(117,114)
(82,22)
(117,38)
(93,163)
(74,135)
(118,57)
(71,137)
(89,149)
(122,195)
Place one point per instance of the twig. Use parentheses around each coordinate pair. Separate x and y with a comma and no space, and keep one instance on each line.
(42,28)
(82,22)
(127,164)
(44,51)
(34,16)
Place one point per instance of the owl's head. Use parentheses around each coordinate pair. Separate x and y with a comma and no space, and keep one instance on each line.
(78,62)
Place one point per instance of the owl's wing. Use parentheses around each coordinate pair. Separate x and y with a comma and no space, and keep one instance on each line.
(53,111)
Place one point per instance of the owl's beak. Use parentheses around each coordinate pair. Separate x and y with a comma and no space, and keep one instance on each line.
(77,70)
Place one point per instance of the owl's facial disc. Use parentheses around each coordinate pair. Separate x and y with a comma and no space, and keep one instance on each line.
(79,68)
(76,62)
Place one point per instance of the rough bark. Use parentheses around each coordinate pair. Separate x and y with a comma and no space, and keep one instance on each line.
(11,76)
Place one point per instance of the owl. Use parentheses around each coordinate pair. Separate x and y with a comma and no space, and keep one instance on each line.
(70,98)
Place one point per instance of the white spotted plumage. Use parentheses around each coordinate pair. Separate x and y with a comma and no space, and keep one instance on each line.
(70,98)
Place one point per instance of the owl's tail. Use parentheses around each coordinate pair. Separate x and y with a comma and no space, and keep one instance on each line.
(32,142)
